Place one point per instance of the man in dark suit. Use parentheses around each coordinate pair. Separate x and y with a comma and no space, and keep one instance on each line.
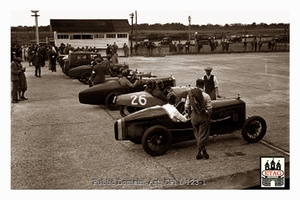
(98,72)
(15,71)
(39,61)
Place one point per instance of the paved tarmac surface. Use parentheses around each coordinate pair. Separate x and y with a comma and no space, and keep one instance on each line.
(58,143)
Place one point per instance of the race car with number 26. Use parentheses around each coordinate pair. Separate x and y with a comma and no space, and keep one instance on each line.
(106,93)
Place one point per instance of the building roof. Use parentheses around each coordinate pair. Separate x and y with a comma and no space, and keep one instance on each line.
(89,25)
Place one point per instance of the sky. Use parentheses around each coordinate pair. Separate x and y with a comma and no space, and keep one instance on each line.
(154,11)
(24,18)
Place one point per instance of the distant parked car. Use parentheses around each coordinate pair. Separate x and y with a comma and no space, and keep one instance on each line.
(76,59)
(166,41)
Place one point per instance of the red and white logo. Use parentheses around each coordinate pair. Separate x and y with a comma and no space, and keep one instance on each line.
(272,172)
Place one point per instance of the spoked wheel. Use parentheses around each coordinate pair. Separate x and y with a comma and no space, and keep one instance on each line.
(110,100)
(254,129)
(156,140)
(84,78)
(126,110)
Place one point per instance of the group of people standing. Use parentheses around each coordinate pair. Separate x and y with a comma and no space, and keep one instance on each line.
(39,59)
(36,55)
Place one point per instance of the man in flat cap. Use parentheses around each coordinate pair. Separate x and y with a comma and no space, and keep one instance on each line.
(211,84)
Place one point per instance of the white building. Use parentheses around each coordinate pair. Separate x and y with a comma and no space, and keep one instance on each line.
(90,33)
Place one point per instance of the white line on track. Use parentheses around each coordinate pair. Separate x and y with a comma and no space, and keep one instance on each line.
(275,148)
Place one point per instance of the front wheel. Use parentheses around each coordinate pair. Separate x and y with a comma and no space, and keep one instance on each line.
(84,78)
(156,140)
(126,110)
(110,100)
(254,129)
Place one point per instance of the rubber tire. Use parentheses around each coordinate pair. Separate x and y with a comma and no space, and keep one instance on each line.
(249,128)
(157,133)
(128,109)
(109,100)
(64,71)
(84,78)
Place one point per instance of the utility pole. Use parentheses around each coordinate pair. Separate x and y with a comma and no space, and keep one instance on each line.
(189,18)
(36,25)
(135,27)
(131,16)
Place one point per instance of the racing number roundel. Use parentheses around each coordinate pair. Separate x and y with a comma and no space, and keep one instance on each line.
(138,100)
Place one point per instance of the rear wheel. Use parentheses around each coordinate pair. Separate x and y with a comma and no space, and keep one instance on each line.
(156,140)
(110,100)
(254,129)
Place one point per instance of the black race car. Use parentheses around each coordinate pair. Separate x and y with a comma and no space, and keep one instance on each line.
(132,102)
(83,72)
(105,93)
(156,131)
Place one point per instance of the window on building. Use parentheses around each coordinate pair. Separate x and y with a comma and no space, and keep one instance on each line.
(61,36)
(110,35)
(87,37)
(75,37)
(98,35)
(81,37)
(120,35)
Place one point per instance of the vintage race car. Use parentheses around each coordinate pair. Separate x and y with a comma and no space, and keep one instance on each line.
(105,93)
(132,102)
(83,72)
(153,128)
